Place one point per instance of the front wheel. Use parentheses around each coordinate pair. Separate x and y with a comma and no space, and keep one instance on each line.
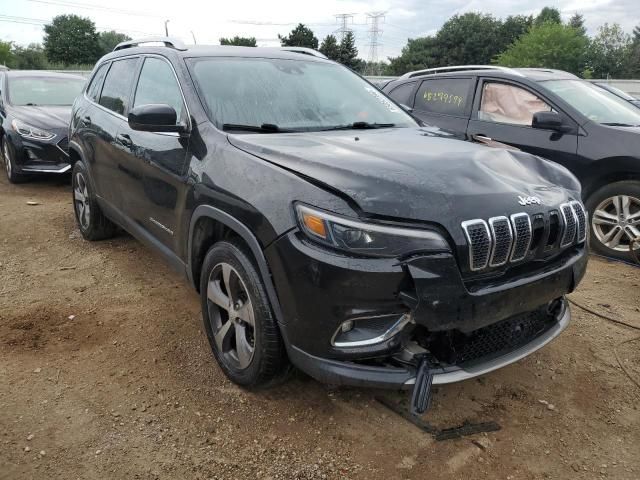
(92,222)
(9,163)
(615,219)
(240,325)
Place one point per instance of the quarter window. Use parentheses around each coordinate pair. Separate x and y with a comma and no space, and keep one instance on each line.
(402,93)
(450,96)
(157,84)
(504,103)
(117,85)
(93,92)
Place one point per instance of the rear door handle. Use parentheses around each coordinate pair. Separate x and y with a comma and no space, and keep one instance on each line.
(482,138)
(124,140)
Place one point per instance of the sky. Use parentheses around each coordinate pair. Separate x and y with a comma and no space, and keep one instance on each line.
(207,20)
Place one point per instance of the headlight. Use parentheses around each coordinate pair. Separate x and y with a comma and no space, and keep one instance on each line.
(27,131)
(366,238)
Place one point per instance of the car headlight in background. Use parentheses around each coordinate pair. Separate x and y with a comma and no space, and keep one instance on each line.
(27,131)
(363,238)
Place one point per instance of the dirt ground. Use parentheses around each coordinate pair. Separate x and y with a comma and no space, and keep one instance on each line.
(105,373)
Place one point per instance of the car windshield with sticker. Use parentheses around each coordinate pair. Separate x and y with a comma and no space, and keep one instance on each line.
(291,95)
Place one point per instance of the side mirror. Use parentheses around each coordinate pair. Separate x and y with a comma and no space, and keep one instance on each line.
(548,121)
(155,118)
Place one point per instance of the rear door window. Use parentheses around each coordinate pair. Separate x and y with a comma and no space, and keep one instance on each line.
(402,94)
(447,96)
(93,92)
(117,85)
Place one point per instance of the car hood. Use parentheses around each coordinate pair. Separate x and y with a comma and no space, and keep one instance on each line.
(54,117)
(416,174)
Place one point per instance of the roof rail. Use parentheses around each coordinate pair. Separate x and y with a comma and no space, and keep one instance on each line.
(304,50)
(167,41)
(459,68)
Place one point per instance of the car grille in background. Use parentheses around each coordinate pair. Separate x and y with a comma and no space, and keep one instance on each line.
(479,239)
(513,239)
(64,145)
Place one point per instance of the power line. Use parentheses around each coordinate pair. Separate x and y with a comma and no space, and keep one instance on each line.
(41,22)
(375,32)
(88,6)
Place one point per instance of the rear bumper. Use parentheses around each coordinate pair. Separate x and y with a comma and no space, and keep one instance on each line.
(354,374)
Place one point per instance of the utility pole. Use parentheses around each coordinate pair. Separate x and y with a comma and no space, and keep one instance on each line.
(343,19)
(166,29)
(375,19)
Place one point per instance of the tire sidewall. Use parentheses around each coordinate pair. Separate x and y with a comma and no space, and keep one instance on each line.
(15,177)
(630,188)
(79,167)
(229,253)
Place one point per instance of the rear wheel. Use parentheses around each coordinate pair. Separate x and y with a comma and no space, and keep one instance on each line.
(89,217)
(9,163)
(240,325)
(615,219)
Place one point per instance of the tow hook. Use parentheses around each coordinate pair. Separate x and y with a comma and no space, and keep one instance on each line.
(421,395)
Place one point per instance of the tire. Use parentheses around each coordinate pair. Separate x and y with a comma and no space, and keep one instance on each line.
(250,355)
(91,221)
(9,163)
(615,216)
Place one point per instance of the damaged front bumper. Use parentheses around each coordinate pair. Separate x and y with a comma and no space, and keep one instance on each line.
(368,322)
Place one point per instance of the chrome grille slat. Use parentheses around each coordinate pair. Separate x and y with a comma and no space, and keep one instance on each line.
(502,240)
(570,221)
(581,217)
(522,236)
(480,243)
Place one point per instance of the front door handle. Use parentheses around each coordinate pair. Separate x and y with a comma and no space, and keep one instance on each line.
(482,138)
(124,140)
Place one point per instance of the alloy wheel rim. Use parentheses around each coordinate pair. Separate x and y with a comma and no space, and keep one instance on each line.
(231,316)
(81,200)
(616,222)
(7,161)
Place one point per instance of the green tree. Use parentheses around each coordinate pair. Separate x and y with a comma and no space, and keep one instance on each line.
(330,48)
(633,67)
(108,40)
(70,39)
(550,45)
(512,29)
(5,53)
(239,41)
(471,38)
(300,36)
(417,54)
(29,58)
(610,52)
(577,22)
(348,51)
(548,15)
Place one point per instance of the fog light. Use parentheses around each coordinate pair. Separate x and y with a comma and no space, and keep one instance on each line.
(31,155)
(347,326)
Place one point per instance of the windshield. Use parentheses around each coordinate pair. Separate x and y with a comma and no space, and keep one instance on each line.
(290,94)
(595,103)
(44,91)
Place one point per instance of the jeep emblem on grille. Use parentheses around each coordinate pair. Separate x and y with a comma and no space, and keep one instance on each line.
(524,201)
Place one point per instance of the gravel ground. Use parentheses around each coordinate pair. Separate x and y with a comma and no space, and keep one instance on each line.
(105,373)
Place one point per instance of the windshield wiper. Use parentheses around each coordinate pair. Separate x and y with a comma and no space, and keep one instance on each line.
(264,128)
(615,124)
(361,126)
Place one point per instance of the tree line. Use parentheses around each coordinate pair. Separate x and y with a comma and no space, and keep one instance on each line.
(468,39)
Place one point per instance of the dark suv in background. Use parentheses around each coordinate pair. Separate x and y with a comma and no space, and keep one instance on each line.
(549,113)
(320,224)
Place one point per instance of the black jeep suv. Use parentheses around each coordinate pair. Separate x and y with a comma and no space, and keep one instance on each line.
(319,222)
(550,113)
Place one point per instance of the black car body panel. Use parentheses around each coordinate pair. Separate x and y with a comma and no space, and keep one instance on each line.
(179,192)
(36,155)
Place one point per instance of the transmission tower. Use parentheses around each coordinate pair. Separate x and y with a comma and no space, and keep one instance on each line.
(375,19)
(343,20)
